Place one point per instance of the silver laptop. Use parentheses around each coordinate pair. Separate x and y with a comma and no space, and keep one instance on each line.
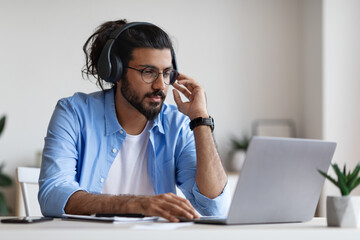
(279,181)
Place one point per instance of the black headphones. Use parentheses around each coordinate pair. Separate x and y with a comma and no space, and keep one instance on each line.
(109,66)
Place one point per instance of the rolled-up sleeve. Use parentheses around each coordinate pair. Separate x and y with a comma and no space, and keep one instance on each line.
(185,175)
(218,206)
(57,180)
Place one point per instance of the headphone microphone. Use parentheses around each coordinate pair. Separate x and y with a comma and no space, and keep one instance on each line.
(109,66)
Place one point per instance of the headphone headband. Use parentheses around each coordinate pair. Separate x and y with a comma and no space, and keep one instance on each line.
(115,34)
(109,66)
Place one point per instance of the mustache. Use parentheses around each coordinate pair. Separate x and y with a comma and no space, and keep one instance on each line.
(156,93)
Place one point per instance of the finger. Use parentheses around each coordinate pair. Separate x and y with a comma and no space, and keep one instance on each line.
(153,206)
(158,211)
(182,76)
(177,98)
(177,86)
(192,209)
(182,205)
(182,202)
(183,90)
(190,84)
(177,210)
(168,207)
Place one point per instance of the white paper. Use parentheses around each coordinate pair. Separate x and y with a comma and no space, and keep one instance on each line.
(111,219)
(162,226)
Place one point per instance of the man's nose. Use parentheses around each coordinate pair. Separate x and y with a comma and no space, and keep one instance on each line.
(159,83)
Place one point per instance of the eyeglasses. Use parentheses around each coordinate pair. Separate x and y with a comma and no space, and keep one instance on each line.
(150,74)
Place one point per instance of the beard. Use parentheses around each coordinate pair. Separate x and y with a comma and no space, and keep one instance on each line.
(152,110)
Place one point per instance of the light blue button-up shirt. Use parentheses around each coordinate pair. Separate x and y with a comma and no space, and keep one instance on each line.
(83,138)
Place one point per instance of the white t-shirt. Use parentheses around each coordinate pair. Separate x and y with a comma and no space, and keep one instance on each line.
(129,174)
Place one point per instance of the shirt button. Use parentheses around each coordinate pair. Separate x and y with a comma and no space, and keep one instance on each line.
(121,131)
(114,150)
(101,180)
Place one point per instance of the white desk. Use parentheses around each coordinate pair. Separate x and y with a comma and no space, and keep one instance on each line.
(66,230)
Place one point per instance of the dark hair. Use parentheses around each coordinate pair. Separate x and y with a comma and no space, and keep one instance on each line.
(141,36)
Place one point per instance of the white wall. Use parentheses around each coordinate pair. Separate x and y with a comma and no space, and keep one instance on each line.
(341,54)
(331,73)
(342,77)
(261,79)
(245,53)
(311,68)
(311,74)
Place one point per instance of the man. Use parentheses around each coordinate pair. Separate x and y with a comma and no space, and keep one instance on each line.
(123,150)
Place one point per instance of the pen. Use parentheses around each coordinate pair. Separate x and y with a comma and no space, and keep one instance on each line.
(132,215)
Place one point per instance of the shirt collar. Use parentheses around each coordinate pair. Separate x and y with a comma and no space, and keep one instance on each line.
(111,122)
(158,121)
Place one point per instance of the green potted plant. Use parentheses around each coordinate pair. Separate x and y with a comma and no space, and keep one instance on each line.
(344,210)
(5,180)
(238,152)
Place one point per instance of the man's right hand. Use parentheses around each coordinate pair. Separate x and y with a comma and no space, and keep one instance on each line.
(168,205)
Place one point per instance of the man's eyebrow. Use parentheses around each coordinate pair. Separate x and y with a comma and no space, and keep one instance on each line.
(151,66)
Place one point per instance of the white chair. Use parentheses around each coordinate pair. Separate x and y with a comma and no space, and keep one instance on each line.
(28,180)
(274,128)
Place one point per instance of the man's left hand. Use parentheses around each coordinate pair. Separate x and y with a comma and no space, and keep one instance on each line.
(196,106)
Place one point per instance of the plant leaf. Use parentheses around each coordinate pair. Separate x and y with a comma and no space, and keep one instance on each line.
(3,207)
(341,180)
(2,124)
(354,175)
(355,184)
(240,144)
(354,179)
(328,177)
(5,181)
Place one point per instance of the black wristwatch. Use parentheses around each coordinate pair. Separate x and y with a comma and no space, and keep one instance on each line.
(202,121)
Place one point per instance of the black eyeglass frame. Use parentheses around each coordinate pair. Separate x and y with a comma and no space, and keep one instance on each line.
(171,81)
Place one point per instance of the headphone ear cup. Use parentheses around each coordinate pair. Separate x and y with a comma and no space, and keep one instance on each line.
(174,63)
(103,65)
(116,69)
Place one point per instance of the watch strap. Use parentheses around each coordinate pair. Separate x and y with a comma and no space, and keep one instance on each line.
(202,121)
